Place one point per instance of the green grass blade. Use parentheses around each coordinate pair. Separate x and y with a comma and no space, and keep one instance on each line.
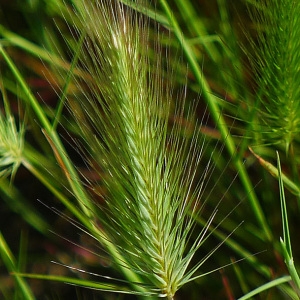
(147,11)
(284,216)
(217,116)
(269,285)
(286,242)
(52,137)
(101,286)
(64,161)
(289,184)
(68,80)
(190,16)
(11,265)
(16,40)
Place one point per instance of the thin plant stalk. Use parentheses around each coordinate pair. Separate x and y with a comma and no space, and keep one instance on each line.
(285,242)
(217,116)
(269,285)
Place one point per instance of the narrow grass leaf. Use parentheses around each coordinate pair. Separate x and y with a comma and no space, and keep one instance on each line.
(11,265)
(289,184)
(269,285)
(286,242)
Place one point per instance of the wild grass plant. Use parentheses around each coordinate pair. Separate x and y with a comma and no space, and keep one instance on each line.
(149,137)
(275,60)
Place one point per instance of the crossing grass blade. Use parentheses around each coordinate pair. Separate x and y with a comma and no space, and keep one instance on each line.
(285,242)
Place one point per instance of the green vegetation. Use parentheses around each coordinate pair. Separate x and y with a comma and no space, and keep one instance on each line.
(149,149)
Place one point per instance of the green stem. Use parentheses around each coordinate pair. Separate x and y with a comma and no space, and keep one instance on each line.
(70,75)
(190,16)
(218,118)
(52,137)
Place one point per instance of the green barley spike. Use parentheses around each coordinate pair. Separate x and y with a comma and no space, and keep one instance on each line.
(277,64)
(149,170)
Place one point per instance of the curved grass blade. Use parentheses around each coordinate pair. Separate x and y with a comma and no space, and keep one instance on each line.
(269,285)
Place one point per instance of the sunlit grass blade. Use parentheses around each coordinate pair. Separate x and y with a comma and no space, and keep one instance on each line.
(285,223)
(269,285)
(285,242)
(288,183)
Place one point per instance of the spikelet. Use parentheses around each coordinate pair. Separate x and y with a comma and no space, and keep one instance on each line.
(11,142)
(277,62)
(149,170)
